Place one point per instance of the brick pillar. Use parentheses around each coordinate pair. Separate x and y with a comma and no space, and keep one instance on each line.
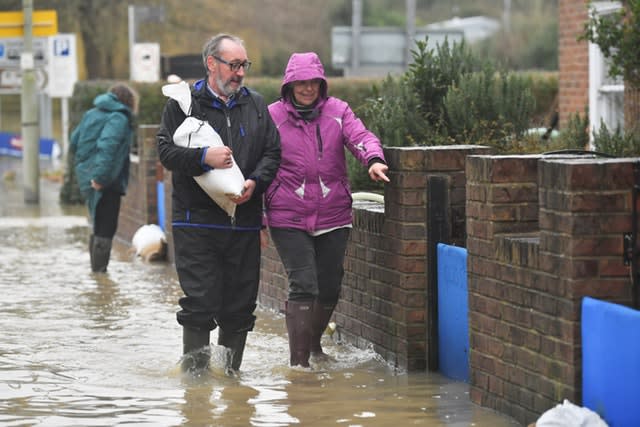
(407,240)
(502,200)
(573,59)
(528,272)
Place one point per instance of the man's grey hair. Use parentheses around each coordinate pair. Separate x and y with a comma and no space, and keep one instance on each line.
(212,46)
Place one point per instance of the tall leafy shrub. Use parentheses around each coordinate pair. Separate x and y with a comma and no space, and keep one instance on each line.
(616,143)
(488,108)
(434,71)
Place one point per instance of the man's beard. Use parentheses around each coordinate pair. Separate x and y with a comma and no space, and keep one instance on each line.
(226,88)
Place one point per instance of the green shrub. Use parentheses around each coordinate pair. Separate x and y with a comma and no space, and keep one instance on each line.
(575,134)
(544,88)
(434,71)
(448,95)
(618,143)
(394,114)
(489,109)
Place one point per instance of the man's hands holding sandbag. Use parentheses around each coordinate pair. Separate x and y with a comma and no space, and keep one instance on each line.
(222,158)
(219,157)
(247,191)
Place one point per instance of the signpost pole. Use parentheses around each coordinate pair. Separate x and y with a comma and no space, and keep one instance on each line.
(64,113)
(29,112)
(132,36)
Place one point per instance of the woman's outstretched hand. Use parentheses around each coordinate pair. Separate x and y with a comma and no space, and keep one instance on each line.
(378,172)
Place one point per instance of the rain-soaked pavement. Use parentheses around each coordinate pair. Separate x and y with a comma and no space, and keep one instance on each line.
(79,349)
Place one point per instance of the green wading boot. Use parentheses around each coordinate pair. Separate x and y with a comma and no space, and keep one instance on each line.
(234,343)
(91,251)
(195,349)
(100,252)
(298,318)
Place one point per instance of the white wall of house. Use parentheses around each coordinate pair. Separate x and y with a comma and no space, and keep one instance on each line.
(606,95)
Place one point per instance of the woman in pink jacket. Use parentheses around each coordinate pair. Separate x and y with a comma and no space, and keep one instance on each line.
(308,205)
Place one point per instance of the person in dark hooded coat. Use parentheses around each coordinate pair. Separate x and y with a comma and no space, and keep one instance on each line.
(100,145)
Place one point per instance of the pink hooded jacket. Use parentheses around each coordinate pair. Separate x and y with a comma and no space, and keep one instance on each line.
(311,190)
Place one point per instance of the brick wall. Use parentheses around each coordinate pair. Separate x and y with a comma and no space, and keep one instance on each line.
(140,205)
(542,234)
(573,59)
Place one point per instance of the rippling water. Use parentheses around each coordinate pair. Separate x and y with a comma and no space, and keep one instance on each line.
(79,349)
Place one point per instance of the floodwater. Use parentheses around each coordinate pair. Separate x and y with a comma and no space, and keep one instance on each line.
(83,349)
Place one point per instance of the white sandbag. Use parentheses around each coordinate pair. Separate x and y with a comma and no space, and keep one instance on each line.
(569,415)
(219,184)
(150,242)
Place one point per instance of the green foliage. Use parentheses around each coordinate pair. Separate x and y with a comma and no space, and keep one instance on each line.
(433,71)
(354,91)
(394,114)
(618,36)
(575,135)
(489,109)
(544,88)
(448,96)
(408,110)
(618,143)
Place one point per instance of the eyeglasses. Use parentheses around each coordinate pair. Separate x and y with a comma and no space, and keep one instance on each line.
(234,66)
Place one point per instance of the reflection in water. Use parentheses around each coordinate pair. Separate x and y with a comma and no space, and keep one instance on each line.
(101,350)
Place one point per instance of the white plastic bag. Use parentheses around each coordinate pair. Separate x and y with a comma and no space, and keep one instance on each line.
(569,415)
(219,184)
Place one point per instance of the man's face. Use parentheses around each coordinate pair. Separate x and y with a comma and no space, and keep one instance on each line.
(222,77)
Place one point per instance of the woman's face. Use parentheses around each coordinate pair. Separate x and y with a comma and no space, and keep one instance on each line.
(306,92)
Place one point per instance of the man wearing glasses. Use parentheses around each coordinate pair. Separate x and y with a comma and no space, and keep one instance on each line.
(217,257)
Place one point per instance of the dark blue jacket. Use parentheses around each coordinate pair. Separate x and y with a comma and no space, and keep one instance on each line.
(246,127)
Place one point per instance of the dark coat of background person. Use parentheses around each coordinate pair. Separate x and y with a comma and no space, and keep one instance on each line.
(100,147)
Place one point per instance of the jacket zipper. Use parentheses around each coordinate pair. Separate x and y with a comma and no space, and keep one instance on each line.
(228,117)
(319,139)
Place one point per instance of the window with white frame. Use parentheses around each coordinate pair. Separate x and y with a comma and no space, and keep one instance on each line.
(606,95)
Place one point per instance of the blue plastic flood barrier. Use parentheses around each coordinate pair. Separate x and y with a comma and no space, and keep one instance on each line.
(160,203)
(611,361)
(453,309)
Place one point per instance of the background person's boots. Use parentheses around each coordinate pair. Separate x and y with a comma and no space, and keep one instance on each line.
(91,251)
(321,315)
(298,319)
(234,343)
(100,253)
(195,350)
